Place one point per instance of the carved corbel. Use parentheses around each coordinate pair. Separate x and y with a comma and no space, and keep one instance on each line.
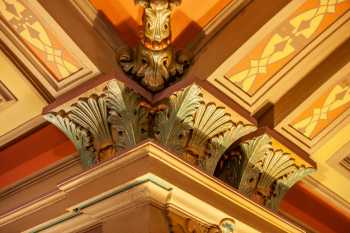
(154,62)
(260,171)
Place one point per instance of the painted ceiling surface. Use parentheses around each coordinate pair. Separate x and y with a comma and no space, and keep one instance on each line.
(275,72)
(284,42)
(37,36)
(187,21)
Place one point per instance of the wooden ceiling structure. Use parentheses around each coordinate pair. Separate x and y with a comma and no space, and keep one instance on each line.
(283,67)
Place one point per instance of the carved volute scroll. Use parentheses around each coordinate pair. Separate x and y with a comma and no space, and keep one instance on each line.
(154,62)
(184,224)
(259,171)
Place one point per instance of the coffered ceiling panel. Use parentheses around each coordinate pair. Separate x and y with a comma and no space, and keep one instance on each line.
(35,40)
(258,72)
(330,173)
(318,117)
(20,103)
(324,110)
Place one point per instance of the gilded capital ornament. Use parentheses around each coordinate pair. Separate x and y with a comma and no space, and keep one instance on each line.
(154,62)
(192,126)
(259,171)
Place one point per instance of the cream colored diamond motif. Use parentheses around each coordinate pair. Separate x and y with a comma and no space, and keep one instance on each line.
(322,10)
(53,54)
(324,113)
(48,50)
(50,57)
(321,113)
(262,69)
(259,64)
(331,9)
(253,71)
(59,60)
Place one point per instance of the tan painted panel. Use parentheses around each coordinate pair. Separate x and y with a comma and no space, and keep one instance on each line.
(323,111)
(287,39)
(277,56)
(53,60)
(326,174)
(29,103)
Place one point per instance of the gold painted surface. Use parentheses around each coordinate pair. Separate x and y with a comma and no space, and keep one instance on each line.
(285,42)
(38,38)
(29,103)
(186,23)
(323,111)
(297,159)
(154,62)
(327,175)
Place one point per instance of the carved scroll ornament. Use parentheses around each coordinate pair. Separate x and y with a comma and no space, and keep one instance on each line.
(154,62)
(181,224)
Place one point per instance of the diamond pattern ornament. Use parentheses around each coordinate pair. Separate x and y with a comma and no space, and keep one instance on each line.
(38,37)
(337,101)
(284,42)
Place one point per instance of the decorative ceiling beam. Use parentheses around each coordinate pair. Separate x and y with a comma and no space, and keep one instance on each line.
(154,62)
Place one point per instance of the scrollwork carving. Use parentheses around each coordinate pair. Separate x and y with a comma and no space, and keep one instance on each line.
(101,124)
(181,224)
(91,114)
(192,127)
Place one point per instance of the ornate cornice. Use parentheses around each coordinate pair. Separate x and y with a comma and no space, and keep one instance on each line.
(194,127)
(118,118)
(154,61)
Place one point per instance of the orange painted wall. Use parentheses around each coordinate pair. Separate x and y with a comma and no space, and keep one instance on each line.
(315,211)
(126,18)
(32,153)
